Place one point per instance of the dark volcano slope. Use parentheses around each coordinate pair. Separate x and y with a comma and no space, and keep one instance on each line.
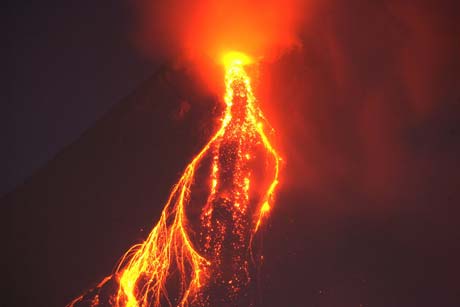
(67,225)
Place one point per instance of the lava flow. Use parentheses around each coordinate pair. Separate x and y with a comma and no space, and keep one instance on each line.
(207,261)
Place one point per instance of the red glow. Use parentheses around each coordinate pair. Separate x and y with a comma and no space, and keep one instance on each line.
(200,32)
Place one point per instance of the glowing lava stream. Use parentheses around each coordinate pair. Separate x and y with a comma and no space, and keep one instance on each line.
(144,270)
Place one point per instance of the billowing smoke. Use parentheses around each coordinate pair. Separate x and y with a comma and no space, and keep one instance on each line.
(368,108)
(197,29)
(364,95)
(200,32)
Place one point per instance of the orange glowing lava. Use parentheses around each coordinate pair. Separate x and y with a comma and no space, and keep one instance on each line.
(215,259)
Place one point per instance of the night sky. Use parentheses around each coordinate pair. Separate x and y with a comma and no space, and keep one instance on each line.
(367,113)
(68,63)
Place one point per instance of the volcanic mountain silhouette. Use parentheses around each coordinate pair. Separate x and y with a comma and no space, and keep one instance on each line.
(68,224)
(112,180)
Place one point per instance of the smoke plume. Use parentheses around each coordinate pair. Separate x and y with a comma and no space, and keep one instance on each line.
(363,94)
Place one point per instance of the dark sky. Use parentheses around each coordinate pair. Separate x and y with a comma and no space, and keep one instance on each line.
(68,63)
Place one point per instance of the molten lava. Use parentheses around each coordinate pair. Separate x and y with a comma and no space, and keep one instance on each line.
(209,263)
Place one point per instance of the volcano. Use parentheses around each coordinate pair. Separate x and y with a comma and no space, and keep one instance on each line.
(66,226)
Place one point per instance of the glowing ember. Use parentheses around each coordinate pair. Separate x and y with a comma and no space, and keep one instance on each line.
(211,265)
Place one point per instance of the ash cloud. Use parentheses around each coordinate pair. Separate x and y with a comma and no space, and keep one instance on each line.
(364,95)
(368,108)
(195,34)
(205,29)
